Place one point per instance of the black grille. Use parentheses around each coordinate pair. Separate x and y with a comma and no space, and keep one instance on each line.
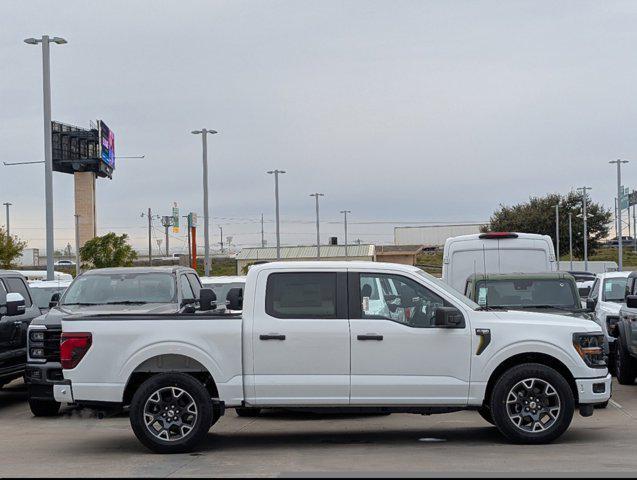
(52,344)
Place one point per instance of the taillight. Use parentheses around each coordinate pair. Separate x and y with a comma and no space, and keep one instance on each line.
(497,235)
(73,347)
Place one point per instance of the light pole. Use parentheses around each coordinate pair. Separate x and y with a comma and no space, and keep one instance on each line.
(7,204)
(557,235)
(618,218)
(206,234)
(77,244)
(48,149)
(345,212)
(570,238)
(276,200)
(584,218)
(318,234)
(221,237)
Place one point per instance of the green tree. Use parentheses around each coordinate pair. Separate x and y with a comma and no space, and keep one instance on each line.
(538,216)
(11,248)
(110,250)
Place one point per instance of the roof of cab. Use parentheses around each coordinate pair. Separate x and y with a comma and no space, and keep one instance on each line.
(124,270)
(624,274)
(518,276)
(332,265)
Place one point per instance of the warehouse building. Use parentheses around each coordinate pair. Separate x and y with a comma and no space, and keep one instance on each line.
(253,256)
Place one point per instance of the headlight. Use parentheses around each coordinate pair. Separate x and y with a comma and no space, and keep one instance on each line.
(37,353)
(36,335)
(592,347)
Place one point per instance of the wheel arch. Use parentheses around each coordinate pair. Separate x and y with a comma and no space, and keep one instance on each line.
(530,357)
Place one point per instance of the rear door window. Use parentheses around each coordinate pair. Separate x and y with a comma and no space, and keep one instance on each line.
(301,295)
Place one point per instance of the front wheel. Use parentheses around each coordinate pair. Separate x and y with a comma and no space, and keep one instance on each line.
(625,369)
(532,403)
(171,413)
(44,408)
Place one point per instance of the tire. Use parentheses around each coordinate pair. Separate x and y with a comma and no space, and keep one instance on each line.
(625,370)
(248,412)
(485,412)
(44,408)
(176,394)
(532,386)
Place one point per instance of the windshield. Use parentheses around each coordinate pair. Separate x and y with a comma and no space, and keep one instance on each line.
(449,290)
(102,289)
(615,289)
(221,290)
(527,293)
(42,296)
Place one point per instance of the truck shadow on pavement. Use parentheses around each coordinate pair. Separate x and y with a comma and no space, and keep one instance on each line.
(13,394)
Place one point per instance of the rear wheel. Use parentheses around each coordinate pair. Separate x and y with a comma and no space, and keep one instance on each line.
(532,403)
(625,369)
(44,408)
(248,412)
(171,413)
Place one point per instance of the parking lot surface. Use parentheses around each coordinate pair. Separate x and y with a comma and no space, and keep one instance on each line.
(284,443)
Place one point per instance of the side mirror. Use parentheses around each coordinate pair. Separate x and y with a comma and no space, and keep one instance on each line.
(207,299)
(591,303)
(55,299)
(235,299)
(448,317)
(631,301)
(15,304)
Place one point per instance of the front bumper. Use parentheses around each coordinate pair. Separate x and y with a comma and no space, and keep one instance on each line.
(594,390)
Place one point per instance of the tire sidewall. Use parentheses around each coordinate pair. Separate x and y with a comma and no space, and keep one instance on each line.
(624,370)
(204,412)
(526,371)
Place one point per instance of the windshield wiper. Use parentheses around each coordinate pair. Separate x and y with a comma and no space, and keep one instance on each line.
(126,302)
(556,307)
(79,304)
(486,308)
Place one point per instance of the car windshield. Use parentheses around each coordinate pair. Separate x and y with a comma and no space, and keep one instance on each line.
(527,293)
(221,290)
(121,288)
(615,289)
(449,290)
(42,295)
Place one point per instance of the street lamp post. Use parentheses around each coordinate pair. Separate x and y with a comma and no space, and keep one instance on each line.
(318,234)
(557,235)
(276,201)
(77,244)
(618,218)
(570,238)
(584,218)
(7,204)
(48,149)
(345,212)
(206,219)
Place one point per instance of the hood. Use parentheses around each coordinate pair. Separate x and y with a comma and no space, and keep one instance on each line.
(544,318)
(55,315)
(557,311)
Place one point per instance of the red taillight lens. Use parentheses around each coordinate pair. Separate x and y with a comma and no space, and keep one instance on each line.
(499,235)
(73,347)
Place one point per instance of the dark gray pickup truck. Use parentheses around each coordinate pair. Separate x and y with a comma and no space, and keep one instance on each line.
(137,290)
(625,332)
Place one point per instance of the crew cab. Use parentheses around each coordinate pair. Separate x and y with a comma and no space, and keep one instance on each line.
(357,335)
(133,291)
(17,310)
(625,333)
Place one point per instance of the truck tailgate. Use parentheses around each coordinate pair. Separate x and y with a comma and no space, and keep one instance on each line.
(123,344)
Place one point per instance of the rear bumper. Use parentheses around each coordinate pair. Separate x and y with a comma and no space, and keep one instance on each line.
(594,390)
(63,393)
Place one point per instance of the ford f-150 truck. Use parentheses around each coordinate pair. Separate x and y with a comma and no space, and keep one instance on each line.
(358,335)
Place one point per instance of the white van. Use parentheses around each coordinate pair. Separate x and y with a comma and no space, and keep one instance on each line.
(496,252)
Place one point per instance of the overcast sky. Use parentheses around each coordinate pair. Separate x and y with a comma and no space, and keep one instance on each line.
(419,111)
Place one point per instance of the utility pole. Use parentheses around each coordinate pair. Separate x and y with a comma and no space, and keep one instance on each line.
(150,235)
(187,217)
(634,230)
(584,218)
(262,233)
(570,238)
(206,225)
(345,212)
(48,148)
(7,204)
(221,237)
(318,234)
(276,200)
(557,235)
(77,245)
(619,212)
(167,221)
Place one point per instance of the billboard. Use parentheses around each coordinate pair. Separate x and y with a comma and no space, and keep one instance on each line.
(107,144)
(175,218)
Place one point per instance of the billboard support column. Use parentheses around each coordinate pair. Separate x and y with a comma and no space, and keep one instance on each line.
(85,206)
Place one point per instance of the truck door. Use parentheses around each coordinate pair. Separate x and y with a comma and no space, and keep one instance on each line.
(7,327)
(20,322)
(300,340)
(399,357)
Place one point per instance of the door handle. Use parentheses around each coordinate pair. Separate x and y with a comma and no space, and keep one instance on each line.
(370,336)
(272,336)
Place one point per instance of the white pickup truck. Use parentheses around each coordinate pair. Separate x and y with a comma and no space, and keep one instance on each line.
(337,335)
